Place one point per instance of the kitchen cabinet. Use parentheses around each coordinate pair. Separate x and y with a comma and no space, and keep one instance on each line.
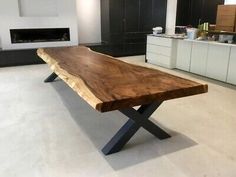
(19,57)
(209,10)
(161,51)
(232,67)
(190,12)
(206,58)
(184,51)
(217,61)
(183,12)
(226,18)
(196,12)
(199,58)
(125,24)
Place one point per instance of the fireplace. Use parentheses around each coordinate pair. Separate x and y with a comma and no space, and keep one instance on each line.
(39,35)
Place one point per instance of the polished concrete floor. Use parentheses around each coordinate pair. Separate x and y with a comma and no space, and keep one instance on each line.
(46,130)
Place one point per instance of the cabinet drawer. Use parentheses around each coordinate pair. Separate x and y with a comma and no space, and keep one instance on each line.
(159,41)
(159,60)
(159,50)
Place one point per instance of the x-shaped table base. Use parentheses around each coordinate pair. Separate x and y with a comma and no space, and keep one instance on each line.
(137,119)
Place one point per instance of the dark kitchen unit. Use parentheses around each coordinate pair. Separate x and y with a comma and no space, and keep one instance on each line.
(19,57)
(125,24)
(193,12)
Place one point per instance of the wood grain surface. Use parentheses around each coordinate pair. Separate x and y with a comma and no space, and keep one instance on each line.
(109,84)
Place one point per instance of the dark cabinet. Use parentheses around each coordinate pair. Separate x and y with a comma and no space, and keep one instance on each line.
(147,16)
(19,57)
(196,12)
(193,12)
(115,16)
(131,15)
(183,12)
(209,10)
(125,24)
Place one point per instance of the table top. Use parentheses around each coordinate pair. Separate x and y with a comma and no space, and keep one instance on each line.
(109,84)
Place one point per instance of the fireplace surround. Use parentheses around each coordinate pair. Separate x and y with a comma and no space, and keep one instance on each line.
(47,23)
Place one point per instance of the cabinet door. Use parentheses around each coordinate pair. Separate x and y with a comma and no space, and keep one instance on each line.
(184,50)
(217,62)
(146,14)
(196,12)
(159,13)
(131,15)
(116,28)
(183,12)
(232,67)
(209,10)
(116,14)
(199,58)
(191,11)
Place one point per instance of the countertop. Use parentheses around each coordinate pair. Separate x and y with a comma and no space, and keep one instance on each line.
(180,37)
(174,36)
(211,42)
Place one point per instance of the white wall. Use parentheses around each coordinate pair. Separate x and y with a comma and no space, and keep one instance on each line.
(30,8)
(230,1)
(10,18)
(89,21)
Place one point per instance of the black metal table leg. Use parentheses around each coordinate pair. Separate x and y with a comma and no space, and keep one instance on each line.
(138,118)
(121,137)
(51,78)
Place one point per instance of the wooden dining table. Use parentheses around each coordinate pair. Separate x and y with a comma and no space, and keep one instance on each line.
(108,84)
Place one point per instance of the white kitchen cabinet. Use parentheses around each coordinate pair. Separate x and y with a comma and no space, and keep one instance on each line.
(218,61)
(184,51)
(161,51)
(206,58)
(160,60)
(199,58)
(161,41)
(232,66)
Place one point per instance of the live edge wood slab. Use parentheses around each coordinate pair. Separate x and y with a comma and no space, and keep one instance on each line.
(108,84)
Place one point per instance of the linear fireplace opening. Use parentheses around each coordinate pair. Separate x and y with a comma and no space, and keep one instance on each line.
(39,35)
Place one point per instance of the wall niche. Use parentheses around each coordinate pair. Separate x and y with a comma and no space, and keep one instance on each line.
(38,8)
